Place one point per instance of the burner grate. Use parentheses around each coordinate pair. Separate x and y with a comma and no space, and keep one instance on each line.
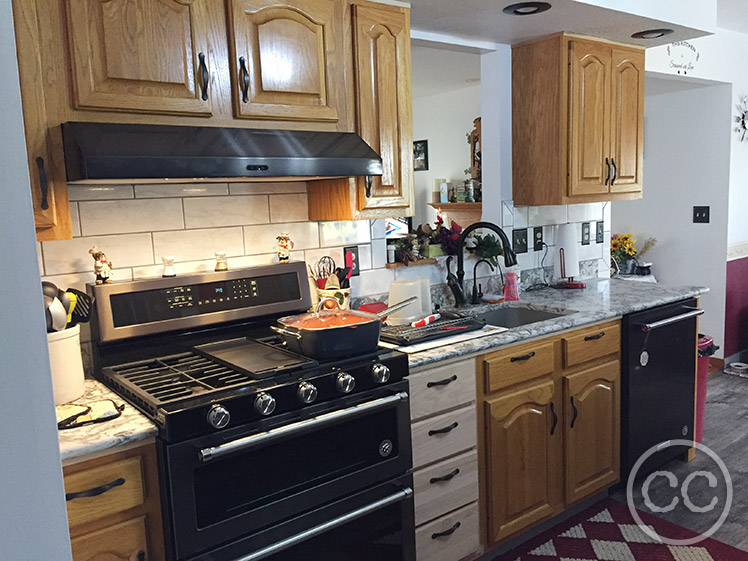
(178,376)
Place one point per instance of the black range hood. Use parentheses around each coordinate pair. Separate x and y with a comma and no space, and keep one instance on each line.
(109,151)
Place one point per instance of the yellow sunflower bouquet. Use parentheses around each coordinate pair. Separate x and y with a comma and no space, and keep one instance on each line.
(622,247)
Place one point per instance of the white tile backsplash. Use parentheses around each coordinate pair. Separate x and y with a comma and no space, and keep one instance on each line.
(75,220)
(214,212)
(342,233)
(378,253)
(378,229)
(376,281)
(312,256)
(127,216)
(544,215)
(99,192)
(184,268)
(520,215)
(364,257)
(79,280)
(262,238)
(195,245)
(122,250)
(585,212)
(289,208)
(166,190)
(507,216)
(267,188)
(262,259)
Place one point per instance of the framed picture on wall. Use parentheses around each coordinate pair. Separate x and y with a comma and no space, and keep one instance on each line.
(421,155)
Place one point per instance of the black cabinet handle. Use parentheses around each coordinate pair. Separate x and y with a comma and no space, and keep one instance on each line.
(204,75)
(615,171)
(607,177)
(595,337)
(444,382)
(528,356)
(445,430)
(446,533)
(447,477)
(576,412)
(43,184)
(369,180)
(244,79)
(95,491)
(555,419)
(141,555)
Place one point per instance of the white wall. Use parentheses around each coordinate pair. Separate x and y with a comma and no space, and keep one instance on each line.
(32,505)
(686,163)
(443,119)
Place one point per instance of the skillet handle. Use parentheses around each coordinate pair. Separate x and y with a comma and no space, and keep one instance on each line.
(285,332)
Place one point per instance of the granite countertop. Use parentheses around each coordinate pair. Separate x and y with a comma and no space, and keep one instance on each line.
(602,299)
(131,426)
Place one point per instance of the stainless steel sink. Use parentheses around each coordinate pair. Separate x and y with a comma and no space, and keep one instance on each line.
(517,315)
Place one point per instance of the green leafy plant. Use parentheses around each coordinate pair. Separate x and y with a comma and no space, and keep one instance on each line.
(487,247)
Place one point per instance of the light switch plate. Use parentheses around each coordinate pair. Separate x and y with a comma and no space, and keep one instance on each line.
(537,238)
(701,215)
(519,240)
(599,231)
(585,233)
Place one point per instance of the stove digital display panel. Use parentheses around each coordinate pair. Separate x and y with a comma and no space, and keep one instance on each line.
(136,308)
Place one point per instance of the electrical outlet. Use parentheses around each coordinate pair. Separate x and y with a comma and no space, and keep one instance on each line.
(355,269)
(519,240)
(537,238)
(701,215)
(599,231)
(585,233)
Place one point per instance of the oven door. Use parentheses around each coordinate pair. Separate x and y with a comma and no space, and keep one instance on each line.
(372,525)
(228,485)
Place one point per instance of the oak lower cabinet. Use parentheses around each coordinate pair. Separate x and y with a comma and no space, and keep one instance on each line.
(577,107)
(113,507)
(445,461)
(549,410)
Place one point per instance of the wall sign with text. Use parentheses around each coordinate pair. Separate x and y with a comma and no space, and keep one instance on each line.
(683,57)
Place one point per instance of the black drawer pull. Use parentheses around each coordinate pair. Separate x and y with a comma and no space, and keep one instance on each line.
(446,533)
(204,75)
(595,337)
(445,430)
(141,555)
(576,412)
(555,418)
(444,382)
(447,477)
(95,491)
(528,356)
(244,79)
(43,183)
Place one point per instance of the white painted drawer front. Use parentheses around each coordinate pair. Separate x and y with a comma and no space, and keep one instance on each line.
(441,387)
(445,486)
(444,435)
(463,541)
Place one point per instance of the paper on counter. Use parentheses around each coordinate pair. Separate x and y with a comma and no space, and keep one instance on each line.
(451,340)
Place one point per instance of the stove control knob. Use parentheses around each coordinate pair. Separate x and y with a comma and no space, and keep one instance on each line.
(307,392)
(345,382)
(218,416)
(264,404)
(380,373)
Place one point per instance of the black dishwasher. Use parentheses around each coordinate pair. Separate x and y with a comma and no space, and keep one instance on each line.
(658,382)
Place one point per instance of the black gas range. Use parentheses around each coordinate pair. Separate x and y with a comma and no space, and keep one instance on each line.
(263,453)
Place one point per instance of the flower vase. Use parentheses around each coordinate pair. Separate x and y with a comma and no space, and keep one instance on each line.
(625,266)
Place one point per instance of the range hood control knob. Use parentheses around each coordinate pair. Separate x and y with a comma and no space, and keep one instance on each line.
(345,382)
(264,404)
(380,373)
(307,392)
(218,416)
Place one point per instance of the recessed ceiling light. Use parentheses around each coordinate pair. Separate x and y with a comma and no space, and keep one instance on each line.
(652,33)
(526,8)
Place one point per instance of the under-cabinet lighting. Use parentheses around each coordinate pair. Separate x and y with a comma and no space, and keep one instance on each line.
(526,8)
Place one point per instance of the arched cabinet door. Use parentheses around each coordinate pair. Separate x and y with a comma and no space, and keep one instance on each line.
(286,59)
(627,120)
(141,56)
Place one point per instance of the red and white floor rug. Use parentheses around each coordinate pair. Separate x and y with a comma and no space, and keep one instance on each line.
(607,532)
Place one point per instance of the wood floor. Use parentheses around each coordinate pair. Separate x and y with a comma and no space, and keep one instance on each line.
(725,432)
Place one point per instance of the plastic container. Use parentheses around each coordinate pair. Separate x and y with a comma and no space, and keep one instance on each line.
(706,349)
(404,289)
(66,364)
(511,288)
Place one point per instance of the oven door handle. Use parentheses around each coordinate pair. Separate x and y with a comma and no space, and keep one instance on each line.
(401,495)
(247,442)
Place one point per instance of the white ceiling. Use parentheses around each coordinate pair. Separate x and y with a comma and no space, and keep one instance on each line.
(439,70)
(483,20)
(733,14)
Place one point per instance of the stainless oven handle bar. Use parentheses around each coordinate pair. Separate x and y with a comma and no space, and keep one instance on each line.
(667,321)
(405,493)
(214,452)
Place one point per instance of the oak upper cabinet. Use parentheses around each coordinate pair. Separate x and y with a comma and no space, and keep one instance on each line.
(149,56)
(381,36)
(592,429)
(524,460)
(577,121)
(287,59)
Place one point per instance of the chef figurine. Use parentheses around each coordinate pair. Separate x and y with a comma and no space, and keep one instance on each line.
(102,266)
(284,247)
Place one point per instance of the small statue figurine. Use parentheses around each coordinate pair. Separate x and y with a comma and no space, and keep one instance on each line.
(102,266)
(284,247)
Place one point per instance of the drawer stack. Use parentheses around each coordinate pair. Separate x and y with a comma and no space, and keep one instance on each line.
(445,461)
